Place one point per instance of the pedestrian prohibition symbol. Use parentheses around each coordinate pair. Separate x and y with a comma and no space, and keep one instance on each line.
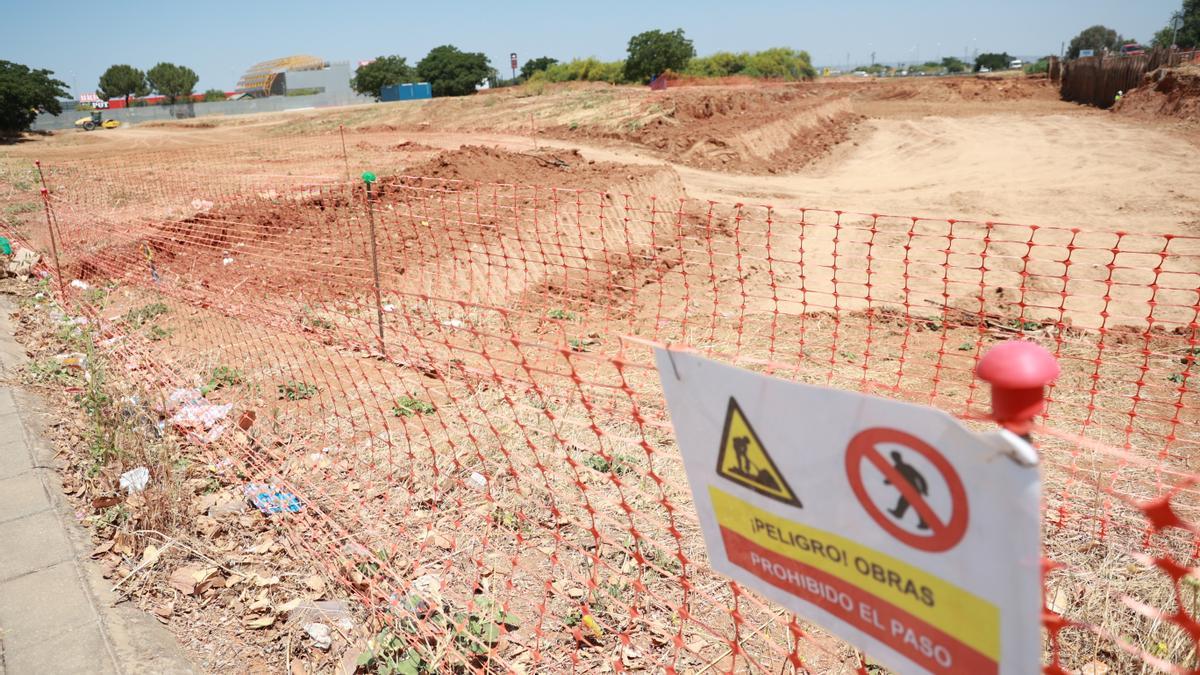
(913,489)
(744,460)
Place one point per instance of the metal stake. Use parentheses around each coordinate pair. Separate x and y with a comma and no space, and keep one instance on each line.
(50,225)
(369,178)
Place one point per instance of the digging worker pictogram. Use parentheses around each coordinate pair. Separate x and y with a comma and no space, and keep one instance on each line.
(741,445)
(916,480)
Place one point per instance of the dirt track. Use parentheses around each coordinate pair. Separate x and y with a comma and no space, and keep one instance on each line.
(963,149)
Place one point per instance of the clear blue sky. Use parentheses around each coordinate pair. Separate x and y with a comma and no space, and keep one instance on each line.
(219,38)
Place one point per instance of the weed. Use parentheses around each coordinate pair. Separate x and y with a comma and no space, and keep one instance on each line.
(222,377)
(562,315)
(471,632)
(407,406)
(157,333)
(113,516)
(476,632)
(71,337)
(19,208)
(294,390)
(581,344)
(49,370)
(1026,325)
(573,125)
(389,654)
(619,464)
(95,297)
(311,320)
(143,315)
(966,347)
(509,520)
(1177,378)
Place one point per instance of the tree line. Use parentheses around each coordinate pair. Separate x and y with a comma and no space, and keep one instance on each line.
(452,72)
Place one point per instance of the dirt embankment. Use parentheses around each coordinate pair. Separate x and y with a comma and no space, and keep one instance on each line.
(746,130)
(1166,92)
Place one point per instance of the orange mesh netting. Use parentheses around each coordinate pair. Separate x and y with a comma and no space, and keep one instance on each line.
(454,378)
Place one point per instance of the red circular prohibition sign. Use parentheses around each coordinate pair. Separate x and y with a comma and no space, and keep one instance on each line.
(945,535)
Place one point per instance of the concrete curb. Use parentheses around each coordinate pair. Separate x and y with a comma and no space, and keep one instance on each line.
(57,612)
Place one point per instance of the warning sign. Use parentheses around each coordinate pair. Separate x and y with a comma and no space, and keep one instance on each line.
(745,461)
(889,524)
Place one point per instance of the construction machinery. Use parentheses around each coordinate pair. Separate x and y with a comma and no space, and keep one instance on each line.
(95,121)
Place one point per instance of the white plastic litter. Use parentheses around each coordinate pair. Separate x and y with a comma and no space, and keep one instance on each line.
(206,415)
(477,480)
(227,261)
(389,307)
(135,480)
(80,284)
(180,397)
(453,323)
(22,262)
(321,636)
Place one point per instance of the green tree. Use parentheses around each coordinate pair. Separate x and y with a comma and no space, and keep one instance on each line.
(654,51)
(1189,30)
(172,81)
(1188,35)
(382,72)
(451,72)
(1097,37)
(953,64)
(24,93)
(535,65)
(992,61)
(1163,37)
(214,95)
(122,80)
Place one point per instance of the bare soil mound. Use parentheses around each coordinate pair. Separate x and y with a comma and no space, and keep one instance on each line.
(749,130)
(953,89)
(1166,92)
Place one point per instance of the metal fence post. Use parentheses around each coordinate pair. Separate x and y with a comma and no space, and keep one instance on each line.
(368,179)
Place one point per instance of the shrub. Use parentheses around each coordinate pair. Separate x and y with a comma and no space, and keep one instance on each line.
(590,69)
(1042,65)
(720,64)
(779,63)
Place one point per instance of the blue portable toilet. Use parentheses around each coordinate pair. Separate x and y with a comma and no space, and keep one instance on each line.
(406,92)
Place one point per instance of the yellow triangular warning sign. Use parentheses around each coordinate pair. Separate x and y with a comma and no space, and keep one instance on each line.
(744,460)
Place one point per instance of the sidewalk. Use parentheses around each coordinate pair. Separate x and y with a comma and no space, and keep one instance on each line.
(56,613)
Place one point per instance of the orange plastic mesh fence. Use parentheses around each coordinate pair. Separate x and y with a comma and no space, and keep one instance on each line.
(504,446)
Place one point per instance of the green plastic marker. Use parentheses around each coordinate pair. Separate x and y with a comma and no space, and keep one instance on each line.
(5,246)
(368,177)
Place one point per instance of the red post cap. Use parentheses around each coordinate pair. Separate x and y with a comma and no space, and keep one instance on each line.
(1018,371)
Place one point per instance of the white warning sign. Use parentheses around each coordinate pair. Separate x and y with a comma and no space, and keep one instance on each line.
(890,524)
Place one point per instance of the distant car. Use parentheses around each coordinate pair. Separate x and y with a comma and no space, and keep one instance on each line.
(1015,64)
(1132,49)
(984,69)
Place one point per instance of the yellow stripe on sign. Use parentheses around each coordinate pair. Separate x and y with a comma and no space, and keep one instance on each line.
(959,613)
